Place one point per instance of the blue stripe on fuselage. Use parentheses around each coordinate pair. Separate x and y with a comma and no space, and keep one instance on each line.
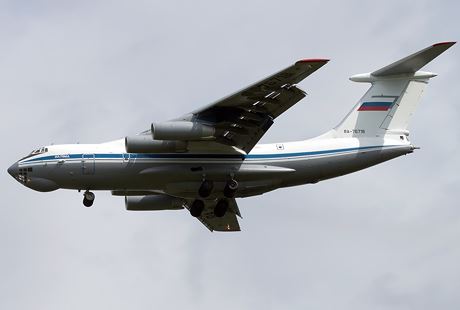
(203,156)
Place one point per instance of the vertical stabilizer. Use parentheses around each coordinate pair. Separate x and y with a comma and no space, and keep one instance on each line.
(386,108)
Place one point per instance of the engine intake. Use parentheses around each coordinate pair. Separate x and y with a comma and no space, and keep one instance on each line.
(182,130)
(145,144)
(153,203)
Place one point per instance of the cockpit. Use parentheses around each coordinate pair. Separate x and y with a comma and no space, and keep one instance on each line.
(39,151)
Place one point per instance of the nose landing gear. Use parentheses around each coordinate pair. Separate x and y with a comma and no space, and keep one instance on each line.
(88,198)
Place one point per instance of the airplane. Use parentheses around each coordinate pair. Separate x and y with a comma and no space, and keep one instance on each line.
(204,160)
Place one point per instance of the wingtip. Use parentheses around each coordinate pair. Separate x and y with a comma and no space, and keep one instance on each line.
(450,43)
(308,60)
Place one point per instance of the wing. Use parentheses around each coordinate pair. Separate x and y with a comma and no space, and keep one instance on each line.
(241,119)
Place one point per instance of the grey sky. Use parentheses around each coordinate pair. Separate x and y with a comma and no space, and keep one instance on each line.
(92,71)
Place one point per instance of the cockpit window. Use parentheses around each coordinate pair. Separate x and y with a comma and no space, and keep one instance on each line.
(39,151)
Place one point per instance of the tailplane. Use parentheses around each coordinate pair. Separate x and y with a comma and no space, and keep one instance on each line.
(388,105)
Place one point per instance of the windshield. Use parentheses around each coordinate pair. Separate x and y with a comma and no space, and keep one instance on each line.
(36,152)
(39,151)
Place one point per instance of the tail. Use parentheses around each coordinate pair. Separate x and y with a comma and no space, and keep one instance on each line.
(388,105)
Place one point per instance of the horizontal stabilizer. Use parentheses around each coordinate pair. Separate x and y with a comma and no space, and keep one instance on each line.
(414,62)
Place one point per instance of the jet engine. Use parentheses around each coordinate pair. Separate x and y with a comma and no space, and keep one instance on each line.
(182,130)
(153,203)
(145,144)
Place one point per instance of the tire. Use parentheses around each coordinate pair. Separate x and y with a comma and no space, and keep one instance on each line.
(230,188)
(89,196)
(197,208)
(87,203)
(221,208)
(205,188)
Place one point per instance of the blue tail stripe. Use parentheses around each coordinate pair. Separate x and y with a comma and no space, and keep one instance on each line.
(376,104)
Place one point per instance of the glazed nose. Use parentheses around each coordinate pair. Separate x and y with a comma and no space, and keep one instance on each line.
(13,170)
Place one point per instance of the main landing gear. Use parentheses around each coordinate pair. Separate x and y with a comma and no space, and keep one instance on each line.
(207,186)
(197,207)
(230,188)
(221,208)
(205,190)
(88,198)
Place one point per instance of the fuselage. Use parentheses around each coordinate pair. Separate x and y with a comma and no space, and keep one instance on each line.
(107,166)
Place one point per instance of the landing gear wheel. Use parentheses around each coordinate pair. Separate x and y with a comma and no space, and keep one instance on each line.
(221,208)
(205,188)
(230,188)
(88,199)
(197,208)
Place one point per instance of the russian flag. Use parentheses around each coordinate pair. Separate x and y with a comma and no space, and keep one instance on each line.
(375,106)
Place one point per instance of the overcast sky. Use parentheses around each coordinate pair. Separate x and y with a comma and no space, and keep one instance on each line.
(92,71)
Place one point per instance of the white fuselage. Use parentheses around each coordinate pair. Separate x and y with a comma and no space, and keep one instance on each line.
(107,166)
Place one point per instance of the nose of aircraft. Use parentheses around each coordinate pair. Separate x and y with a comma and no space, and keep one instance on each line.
(13,170)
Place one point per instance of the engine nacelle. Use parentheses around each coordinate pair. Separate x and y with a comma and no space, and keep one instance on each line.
(153,203)
(145,144)
(182,130)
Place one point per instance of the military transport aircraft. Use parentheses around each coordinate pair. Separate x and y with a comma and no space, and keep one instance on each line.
(206,159)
